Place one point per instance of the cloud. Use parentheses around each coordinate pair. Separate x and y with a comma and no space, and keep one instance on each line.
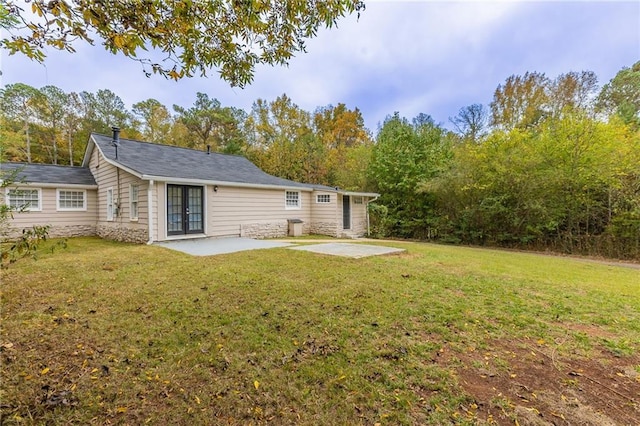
(412,57)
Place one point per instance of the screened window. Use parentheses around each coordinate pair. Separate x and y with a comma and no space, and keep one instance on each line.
(133,202)
(72,199)
(357,200)
(24,199)
(110,204)
(323,198)
(292,199)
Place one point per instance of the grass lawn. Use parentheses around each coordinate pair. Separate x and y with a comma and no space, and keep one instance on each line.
(104,332)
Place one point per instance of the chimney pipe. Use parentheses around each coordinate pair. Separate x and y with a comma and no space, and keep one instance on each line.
(116,139)
(208,149)
(116,135)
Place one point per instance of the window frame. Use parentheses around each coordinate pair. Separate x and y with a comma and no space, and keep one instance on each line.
(133,202)
(110,205)
(326,200)
(298,204)
(358,200)
(71,209)
(22,208)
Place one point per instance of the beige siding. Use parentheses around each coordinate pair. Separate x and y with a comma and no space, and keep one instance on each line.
(122,227)
(359,217)
(63,223)
(230,209)
(108,176)
(325,217)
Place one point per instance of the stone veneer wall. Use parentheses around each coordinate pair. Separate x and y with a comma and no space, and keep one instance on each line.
(269,229)
(122,233)
(324,228)
(68,231)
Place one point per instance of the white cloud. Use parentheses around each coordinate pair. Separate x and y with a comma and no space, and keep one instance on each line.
(411,57)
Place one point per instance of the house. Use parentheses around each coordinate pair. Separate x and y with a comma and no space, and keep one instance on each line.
(135,191)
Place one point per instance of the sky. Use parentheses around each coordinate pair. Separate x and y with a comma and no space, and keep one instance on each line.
(432,57)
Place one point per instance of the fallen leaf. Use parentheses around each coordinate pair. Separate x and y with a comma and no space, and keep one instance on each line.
(44,371)
(256,384)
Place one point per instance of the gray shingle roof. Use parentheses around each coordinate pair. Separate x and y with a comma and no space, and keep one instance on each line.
(176,162)
(50,173)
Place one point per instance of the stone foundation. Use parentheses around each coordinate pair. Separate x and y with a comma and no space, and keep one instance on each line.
(67,231)
(261,230)
(124,234)
(324,228)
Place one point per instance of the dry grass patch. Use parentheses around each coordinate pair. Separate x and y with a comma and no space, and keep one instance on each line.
(104,332)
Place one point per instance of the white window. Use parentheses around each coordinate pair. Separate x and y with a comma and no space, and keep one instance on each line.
(110,204)
(292,199)
(24,199)
(71,200)
(357,200)
(323,198)
(133,201)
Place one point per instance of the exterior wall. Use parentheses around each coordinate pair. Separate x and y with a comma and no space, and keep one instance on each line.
(358,218)
(255,213)
(62,223)
(122,227)
(326,219)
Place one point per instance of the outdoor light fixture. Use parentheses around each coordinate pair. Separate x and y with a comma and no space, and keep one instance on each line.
(215,188)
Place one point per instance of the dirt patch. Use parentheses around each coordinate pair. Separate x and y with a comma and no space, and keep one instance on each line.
(526,383)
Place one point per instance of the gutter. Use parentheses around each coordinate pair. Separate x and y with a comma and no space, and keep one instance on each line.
(150,210)
(367,212)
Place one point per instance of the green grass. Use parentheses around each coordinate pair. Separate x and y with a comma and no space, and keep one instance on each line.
(127,334)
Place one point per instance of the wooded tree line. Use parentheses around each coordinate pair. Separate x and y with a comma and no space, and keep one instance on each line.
(550,163)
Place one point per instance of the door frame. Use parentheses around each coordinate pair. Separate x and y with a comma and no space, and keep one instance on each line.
(185,214)
(346,212)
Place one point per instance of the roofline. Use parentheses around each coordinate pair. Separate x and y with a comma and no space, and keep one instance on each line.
(310,188)
(52,185)
(223,183)
(360,194)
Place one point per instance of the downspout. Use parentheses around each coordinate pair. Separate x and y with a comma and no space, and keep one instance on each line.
(367,212)
(150,210)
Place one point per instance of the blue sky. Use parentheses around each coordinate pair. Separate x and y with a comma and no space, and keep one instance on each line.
(433,57)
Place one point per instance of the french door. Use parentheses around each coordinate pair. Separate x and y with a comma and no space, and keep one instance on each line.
(185,209)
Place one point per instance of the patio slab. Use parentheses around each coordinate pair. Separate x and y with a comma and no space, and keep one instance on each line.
(355,251)
(213,246)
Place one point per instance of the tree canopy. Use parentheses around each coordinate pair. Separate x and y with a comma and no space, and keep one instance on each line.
(558,166)
(191,36)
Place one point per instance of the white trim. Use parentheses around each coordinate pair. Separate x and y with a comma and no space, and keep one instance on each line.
(150,210)
(166,216)
(133,218)
(71,209)
(22,208)
(361,194)
(323,195)
(56,185)
(290,207)
(204,182)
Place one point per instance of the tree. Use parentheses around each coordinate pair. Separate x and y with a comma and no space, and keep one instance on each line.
(192,36)
(471,122)
(18,103)
(283,143)
(156,120)
(342,133)
(621,95)
(51,111)
(209,123)
(572,91)
(520,102)
(405,155)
